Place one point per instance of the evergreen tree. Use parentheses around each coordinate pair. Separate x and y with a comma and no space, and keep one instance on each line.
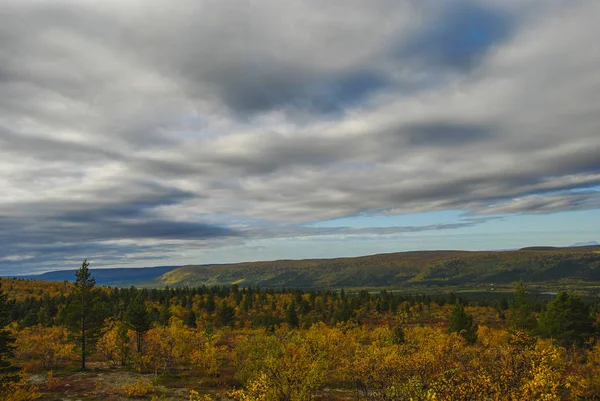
(8,372)
(567,319)
(291,317)
(521,311)
(190,319)
(164,315)
(398,334)
(122,343)
(210,303)
(462,323)
(225,313)
(139,319)
(342,312)
(85,315)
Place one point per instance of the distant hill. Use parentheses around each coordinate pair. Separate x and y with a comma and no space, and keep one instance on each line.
(403,269)
(590,243)
(117,277)
(577,265)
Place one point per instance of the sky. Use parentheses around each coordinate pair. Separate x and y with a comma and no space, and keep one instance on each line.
(143,133)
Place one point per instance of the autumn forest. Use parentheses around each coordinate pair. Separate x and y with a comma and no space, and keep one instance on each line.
(83,341)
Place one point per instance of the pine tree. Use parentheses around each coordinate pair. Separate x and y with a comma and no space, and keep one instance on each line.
(567,319)
(462,323)
(342,312)
(190,319)
(210,303)
(164,315)
(291,317)
(225,313)
(84,316)
(398,334)
(521,311)
(138,318)
(8,372)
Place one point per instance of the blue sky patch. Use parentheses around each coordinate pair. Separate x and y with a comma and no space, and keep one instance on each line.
(459,36)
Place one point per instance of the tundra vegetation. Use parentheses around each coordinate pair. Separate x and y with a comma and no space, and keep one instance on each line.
(82,341)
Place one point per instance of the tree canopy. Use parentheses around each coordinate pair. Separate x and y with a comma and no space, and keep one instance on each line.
(567,319)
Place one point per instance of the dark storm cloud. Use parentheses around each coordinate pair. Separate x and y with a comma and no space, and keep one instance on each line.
(48,233)
(112,215)
(124,128)
(60,257)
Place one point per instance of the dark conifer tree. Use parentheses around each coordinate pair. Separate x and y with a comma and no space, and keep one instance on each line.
(190,319)
(225,313)
(568,320)
(462,323)
(398,334)
(139,320)
(521,311)
(291,316)
(164,314)
(85,315)
(8,372)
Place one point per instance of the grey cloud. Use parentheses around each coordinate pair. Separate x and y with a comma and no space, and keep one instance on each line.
(308,231)
(43,148)
(584,200)
(49,232)
(446,134)
(60,257)
(286,113)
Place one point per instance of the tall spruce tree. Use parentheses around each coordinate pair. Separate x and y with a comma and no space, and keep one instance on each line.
(8,372)
(521,311)
(139,319)
(84,316)
(225,313)
(462,323)
(291,317)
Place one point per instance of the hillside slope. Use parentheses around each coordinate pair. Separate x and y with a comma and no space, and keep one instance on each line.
(403,269)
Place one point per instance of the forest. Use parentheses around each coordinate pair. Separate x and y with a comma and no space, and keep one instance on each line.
(83,341)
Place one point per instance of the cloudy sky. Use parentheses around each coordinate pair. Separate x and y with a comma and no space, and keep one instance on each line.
(142,133)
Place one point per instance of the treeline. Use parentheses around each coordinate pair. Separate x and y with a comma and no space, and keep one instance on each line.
(231,305)
(235,306)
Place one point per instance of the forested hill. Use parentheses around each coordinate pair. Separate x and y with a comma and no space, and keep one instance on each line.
(404,269)
(547,265)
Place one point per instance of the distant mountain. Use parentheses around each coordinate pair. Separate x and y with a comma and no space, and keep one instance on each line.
(591,243)
(403,269)
(117,277)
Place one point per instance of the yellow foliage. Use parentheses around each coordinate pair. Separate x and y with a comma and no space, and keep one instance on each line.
(21,289)
(111,346)
(584,378)
(51,382)
(20,391)
(207,356)
(139,389)
(292,367)
(256,390)
(195,396)
(48,345)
